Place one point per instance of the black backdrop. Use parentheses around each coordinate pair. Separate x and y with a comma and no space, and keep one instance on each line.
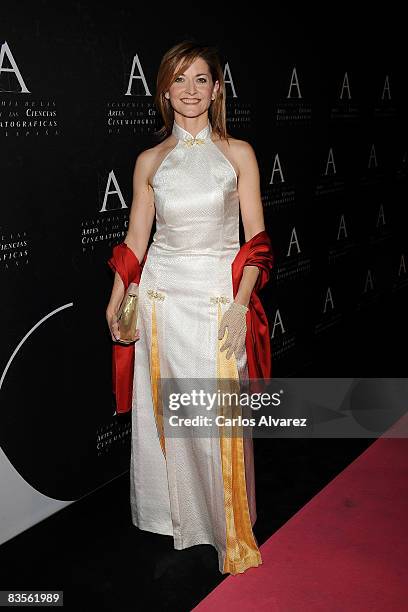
(320,97)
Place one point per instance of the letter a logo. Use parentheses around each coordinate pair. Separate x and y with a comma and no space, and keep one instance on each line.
(139,76)
(6,52)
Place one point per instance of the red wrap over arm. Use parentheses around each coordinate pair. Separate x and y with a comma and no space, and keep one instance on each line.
(256,252)
(125,262)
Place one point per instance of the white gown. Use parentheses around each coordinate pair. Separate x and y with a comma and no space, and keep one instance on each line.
(179,486)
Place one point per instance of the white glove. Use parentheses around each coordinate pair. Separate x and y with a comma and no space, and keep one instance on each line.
(234,319)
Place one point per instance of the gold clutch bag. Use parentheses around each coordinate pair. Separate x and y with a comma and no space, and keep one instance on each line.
(127,314)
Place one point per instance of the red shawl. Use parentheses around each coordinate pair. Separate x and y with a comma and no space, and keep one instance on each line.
(256,252)
(125,262)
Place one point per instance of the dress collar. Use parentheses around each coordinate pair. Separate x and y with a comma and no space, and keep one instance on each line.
(182,134)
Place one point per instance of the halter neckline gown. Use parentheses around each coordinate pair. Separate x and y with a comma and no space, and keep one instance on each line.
(199,491)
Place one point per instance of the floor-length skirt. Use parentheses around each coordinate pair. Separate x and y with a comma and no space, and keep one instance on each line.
(200,490)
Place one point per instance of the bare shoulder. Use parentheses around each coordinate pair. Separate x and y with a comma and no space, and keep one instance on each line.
(150,159)
(241,149)
(239,152)
(147,157)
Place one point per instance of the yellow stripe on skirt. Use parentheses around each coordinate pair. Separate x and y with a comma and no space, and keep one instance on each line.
(242,550)
(155,372)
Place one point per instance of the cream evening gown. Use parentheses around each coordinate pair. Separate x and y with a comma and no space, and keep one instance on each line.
(193,490)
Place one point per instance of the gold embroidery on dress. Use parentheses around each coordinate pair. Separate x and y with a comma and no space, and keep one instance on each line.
(189,142)
(155,294)
(223,299)
(155,369)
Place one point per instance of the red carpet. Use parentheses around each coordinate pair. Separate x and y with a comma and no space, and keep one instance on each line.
(344,551)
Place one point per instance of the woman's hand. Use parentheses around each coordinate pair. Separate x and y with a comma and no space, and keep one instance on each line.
(112,320)
(234,319)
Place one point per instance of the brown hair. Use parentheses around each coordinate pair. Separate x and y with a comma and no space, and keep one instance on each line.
(187,52)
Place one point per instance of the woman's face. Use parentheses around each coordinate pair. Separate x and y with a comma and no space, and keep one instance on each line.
(192,92)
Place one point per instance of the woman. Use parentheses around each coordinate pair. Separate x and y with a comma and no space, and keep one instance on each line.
(199,313)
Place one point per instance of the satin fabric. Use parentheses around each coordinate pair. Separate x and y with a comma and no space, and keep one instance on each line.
(125,262)
(256,252)
(198,489)
(241,549)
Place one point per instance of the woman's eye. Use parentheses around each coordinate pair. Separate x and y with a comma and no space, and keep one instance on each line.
(201,79)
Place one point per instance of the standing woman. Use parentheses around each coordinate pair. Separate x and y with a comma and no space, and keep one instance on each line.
(199,312)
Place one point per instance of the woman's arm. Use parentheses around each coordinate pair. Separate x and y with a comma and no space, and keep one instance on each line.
(141,219)
(249,190)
